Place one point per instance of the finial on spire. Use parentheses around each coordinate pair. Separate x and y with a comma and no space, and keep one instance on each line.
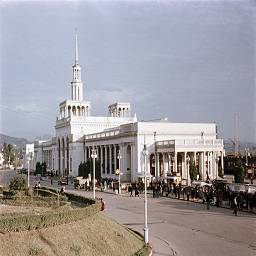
(76,54)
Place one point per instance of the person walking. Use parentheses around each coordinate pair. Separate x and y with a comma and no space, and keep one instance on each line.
(235,205)
(208,200)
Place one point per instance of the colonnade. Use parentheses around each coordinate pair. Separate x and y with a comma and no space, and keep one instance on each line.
(67,111)
(176,163)
(113,157)
(48,159)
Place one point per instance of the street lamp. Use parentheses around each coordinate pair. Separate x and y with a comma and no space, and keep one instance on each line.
(118,172)
(146,229)
(29,156)
(187,166)
(93,155)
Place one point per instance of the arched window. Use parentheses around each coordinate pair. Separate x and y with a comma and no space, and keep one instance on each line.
(74,111)
(83,111)
(69,108)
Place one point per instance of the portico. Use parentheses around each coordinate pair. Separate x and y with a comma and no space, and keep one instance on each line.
(175,157)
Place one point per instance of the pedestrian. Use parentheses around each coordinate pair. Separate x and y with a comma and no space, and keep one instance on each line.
(235,205)
(39,185)
(130,190)
(136,191)
(208,200)
(103,204)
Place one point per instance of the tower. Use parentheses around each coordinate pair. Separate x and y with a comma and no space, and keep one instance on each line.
(76,83)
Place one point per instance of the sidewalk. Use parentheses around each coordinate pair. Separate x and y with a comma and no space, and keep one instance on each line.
(198,201)
(149,192)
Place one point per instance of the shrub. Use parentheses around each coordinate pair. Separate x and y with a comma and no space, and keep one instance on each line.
(17,183)
(18,222)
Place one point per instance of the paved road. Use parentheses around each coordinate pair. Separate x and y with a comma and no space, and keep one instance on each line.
(185,228)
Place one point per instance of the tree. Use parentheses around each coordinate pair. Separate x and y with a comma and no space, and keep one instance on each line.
(239,174)
(43,168)
(85,168)
(8,154)
(17,183)
(38,168)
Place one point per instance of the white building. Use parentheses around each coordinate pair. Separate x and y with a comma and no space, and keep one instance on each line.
(172,146)
(28,157)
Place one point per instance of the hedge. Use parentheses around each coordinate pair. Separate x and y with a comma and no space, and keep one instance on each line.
(144,251)
(18,222)
(37,201)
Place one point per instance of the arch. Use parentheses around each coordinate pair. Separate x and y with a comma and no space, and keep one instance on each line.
(74,111)
(83,111)
(78,111)
(69,109)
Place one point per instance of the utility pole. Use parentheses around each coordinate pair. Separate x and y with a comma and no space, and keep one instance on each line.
(236,139)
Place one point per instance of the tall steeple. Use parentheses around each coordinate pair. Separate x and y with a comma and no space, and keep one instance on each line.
(76,53)
(76,84)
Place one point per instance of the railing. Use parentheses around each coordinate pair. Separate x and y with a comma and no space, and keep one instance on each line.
(212,142)
(102,135)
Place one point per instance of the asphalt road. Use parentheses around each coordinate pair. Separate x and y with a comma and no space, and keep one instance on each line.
(184,228)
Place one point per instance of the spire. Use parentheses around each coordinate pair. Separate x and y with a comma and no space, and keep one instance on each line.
(76,54)
(76,83)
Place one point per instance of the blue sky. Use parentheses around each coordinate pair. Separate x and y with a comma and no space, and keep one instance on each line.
(190,61)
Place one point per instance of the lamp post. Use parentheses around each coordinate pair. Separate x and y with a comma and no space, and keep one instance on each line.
(146,229)
(187,166)
(93,155)
(118,172)
(29,156)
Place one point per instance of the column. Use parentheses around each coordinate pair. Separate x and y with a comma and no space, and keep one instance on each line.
(188,174)
(157,165)
(115,158)
(212,164)
(110,159)
(217,164)
(222,162)
(184,172)
(214,172)
(202,165)
(132,164)
(163,157)
(106,159)
(101,159)
(175,162)
(166,164)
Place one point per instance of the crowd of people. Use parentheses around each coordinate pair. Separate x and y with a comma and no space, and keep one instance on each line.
(209,194)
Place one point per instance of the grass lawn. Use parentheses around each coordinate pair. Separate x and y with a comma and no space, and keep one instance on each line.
(97,235)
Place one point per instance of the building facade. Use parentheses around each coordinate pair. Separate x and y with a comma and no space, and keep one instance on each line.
(120,139)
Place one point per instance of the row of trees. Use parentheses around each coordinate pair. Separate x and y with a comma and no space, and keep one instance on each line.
(40,168)
(86,168)
(11,155)
(235,166)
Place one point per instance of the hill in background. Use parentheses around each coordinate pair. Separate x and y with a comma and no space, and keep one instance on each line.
(19,142)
